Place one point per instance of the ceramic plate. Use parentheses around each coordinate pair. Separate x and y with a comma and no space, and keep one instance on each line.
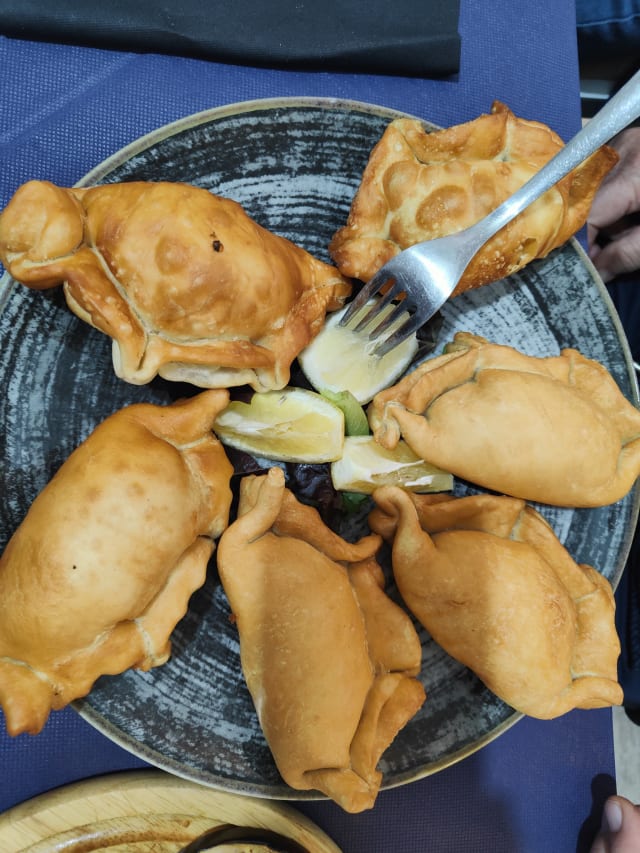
(294,165)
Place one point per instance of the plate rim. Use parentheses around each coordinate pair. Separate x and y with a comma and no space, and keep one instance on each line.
(206,116)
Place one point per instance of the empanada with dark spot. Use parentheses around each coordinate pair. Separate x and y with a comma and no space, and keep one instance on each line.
(100,571)
(186,284)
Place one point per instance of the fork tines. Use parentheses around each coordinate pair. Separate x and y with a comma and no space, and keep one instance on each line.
(410,325)
(361,301)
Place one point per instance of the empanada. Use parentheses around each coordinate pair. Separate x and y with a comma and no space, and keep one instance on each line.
(419,185)
(328,658)
(183,281)
(102,567)
(556,430)
(490,581)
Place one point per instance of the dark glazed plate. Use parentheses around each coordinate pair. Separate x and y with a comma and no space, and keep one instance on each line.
(294,165)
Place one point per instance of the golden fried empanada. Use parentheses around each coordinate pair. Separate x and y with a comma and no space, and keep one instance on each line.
(490,581)
(102,567)
(556,430)
(328,658)
(183,281)
(419,185)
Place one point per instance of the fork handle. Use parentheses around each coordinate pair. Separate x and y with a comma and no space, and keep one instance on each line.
(617,113)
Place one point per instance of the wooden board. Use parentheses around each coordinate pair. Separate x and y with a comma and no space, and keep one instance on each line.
(143,811)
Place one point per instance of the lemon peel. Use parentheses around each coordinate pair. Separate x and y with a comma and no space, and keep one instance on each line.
(355,417)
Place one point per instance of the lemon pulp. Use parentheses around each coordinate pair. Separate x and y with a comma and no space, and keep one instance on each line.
(341,359)
(365,465)
(292,425)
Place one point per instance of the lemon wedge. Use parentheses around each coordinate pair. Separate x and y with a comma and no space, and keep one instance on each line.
(292,425)
(341,359)
(365,465)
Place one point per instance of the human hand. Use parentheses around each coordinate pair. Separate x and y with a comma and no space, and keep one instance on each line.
(620,831)
(614,236)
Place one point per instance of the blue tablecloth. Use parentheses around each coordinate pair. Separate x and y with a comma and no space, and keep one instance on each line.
(539,787)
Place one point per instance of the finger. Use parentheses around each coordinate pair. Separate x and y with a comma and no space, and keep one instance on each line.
(614,199)
(621,255)
(620,832)
(592,234)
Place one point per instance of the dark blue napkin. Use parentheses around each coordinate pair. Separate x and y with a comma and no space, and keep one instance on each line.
(406,37)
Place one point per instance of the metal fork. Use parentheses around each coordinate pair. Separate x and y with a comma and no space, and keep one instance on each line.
(428,272)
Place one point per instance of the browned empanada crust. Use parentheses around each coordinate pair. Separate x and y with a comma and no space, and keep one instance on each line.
(328,658)
(419,185)
(556,430)
(102,567)
(186,284)
(490,581)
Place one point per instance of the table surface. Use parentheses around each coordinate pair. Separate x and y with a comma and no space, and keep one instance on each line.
(63,109)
